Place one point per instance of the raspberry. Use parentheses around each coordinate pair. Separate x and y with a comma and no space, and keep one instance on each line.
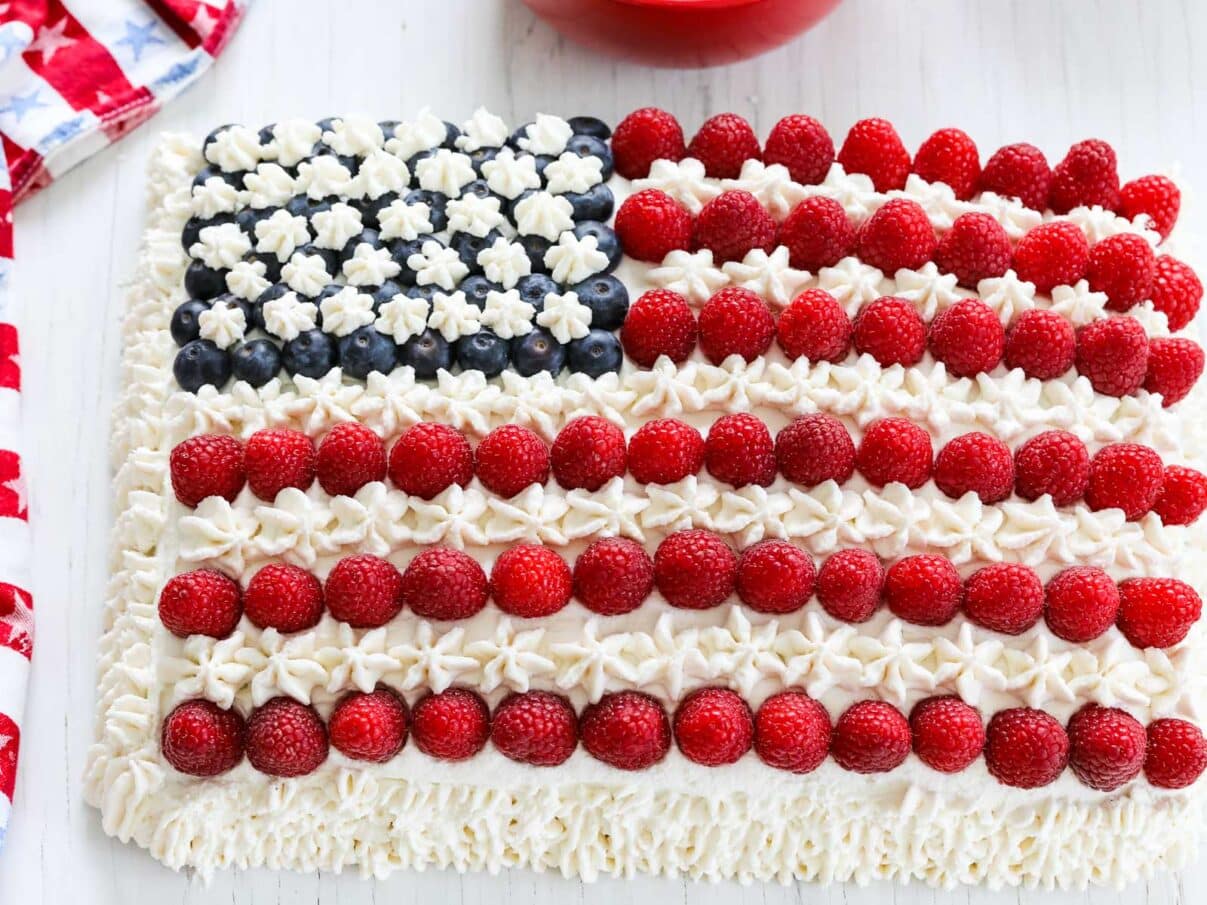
(664,451)
(429,458)
(739,451)
(199,738)
(849,584)
(651,224)
(627,730)
(694,569)
(1177,753)
(371,727)
(923,589)
(975,462)
(874,148)
(1080,603)
(1123,267)
(1174,367)
(1177,291)
(891,331)
(975,248)
(613,575)
(441,583)
(363,591)
(871,737)
(588,453)
(1183,496)
(735,321)
(792,732)
(1025,748)
(276,459)
(815,448)
(1054,462)
(205,466)
(659,323)
(1042,343)
(897,236)
(775,576)
(285,738)
(713,727)
(733,224)
(1053,254)
(284,597)
(1125,476)
(1113,355)
(644,136)
(1157,612)
(451,725)
(349,457)
(723,144)
(950,156)
(817,234)
(1004,597)
(511,458)
(947,733)
(1086,177)
(1156,196)
(1019,171)
(815,327)
(893,449)
(201,602)
(535,727)
(529,580)
(1106,747)
(803,145)
(968,338)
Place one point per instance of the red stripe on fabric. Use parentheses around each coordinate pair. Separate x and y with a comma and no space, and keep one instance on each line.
(224,30)
(10,741)
(10,370)
(25,169)
(6,227)
(130,118)
(178,16)
(12,488)
(16,623)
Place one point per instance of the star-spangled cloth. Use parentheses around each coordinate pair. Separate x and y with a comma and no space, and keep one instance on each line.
(75,75)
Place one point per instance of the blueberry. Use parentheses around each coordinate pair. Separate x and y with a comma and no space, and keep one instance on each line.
(327,291)
(436,207)
(535,246)
(542,161)
(327,123)
(266,134)
(203,282)
(607,298)
(426,292)
(272,264)
(218,130)
(481,188)
(370,208)
(233,301)
(481,156)
(475,288)
(534,287)
(605,236)
(364,351)
(513,141)
(589,125)
(482,351)
(387,127)
(257,362)
(401,251)
(191,233)
(186,325)
(275,291)
(427,353)
(384,293)
(250,216)
(209,172)
(515,202)
(331,258)
(594,204)
(537,351)
(468,246)
(368,237)
(413,163)
(200,363)
(350,163)
(305,206)
(312,354)
(590,146)
(451,134)
(595,354)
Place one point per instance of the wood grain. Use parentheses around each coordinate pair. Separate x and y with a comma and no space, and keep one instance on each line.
(1046,72)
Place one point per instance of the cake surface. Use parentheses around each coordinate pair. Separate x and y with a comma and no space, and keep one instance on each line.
(390,274)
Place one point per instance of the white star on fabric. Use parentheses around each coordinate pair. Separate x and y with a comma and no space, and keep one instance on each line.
(203,21)
(50,40)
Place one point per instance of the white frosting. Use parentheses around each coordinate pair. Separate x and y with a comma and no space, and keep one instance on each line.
(221,246)
(215,196)
(482,130)
(543,214)
(453,316)
(436,265)
(402,317)
(852,282)
(565,317)
(324,177)
(293,141)
(445,171)
(547,135)
(370,266)
(246,280)
(425,133)
(771,184)
(306,274)
(269,186)
(380,173)
(769,275)
(571,173)
(355,135)
(509,175)
(572,259)
(223,324)
(347,311)
(691,274)
(282,234)
(507,314)
(683,180)
(336,227)
(408,222)
(504,262)
(288,317)
(234,149)
(474,215)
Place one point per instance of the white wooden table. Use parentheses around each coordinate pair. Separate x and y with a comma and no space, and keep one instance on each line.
(1049,72)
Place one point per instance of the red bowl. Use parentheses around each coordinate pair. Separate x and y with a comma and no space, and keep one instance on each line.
(682,32)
